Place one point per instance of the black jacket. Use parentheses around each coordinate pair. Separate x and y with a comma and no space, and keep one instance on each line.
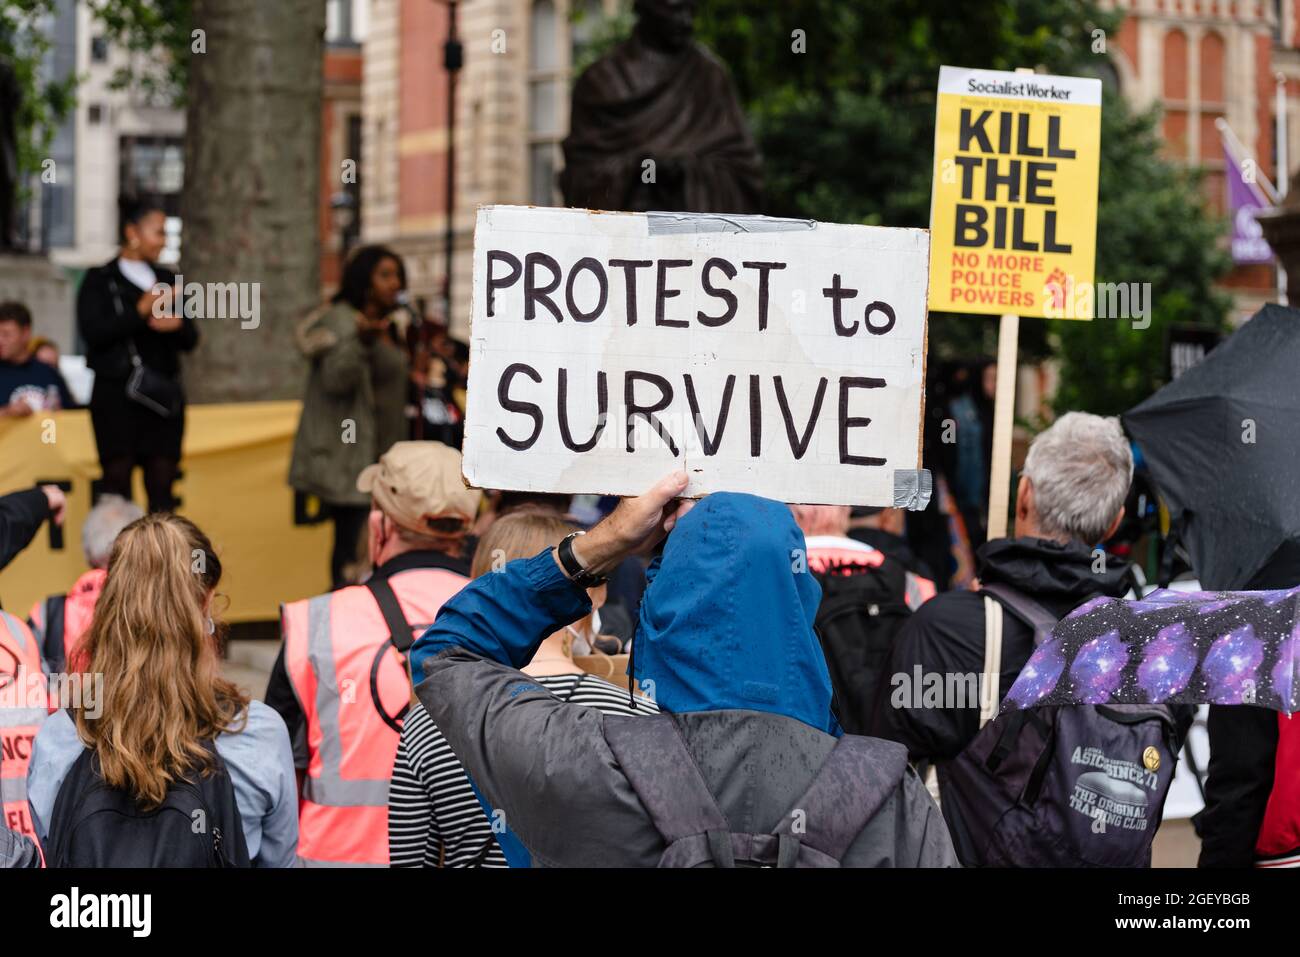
(946,635)
(1239,782)
(21,514)
(107,326)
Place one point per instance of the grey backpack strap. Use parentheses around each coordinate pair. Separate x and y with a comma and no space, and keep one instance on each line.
(1023,607)
(654,758)
(857,778)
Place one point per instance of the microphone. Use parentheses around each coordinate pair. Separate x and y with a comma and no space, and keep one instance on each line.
(404,302)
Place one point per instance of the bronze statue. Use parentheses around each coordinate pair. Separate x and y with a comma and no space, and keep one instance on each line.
(10,103)
(656,125)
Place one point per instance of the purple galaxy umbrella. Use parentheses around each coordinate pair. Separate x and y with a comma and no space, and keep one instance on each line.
(1098,667)
(1171,647)
(1167,663)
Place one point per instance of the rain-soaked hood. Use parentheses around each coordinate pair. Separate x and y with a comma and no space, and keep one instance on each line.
(727,617)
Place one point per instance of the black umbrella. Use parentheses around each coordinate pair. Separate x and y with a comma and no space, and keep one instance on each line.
(1222,442)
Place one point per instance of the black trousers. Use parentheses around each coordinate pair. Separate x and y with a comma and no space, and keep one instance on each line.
(127,436)
(349,523)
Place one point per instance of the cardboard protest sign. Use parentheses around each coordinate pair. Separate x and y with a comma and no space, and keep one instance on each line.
(784,358)
(1014,207)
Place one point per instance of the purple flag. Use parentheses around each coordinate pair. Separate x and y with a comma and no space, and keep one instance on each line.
(1244,201)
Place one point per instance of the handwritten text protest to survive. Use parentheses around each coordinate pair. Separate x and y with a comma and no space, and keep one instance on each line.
(783,358)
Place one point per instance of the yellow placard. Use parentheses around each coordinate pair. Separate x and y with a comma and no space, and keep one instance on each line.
(235,464)
(1013,216)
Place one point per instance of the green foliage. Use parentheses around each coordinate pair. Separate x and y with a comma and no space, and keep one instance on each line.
(605,34)
(46,101)
(847,134)
(157,32)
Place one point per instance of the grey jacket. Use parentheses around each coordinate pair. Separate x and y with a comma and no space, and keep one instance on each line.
(16,850)
(547,766)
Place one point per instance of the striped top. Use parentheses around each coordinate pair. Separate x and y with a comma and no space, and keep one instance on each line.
(434,819)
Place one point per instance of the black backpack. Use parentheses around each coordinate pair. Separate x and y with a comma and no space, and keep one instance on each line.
(863,608)
(1056,786)
(856,780)
(197,825)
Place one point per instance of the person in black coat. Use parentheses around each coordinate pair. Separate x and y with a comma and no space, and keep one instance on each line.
(1071,496)
(129,316)
(21,515)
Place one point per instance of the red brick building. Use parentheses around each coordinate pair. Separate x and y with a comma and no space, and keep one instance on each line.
(1202,60)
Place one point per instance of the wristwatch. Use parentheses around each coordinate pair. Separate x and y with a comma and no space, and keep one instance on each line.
(572,567)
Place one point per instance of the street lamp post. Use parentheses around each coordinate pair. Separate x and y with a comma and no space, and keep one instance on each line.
(343,216)
(453,59)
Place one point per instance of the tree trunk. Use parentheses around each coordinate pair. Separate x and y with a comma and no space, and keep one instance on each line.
(250,205)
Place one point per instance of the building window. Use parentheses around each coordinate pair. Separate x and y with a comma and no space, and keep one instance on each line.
(153,166)
(94,114)
(1213,55)
(558,37)
(345,22)
(545,103)
(1175,74)
(99,50)
(1210,109)
(1176,121)
(353,189)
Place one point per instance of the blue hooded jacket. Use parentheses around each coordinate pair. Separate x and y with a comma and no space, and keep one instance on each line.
(726,621)
(727,617)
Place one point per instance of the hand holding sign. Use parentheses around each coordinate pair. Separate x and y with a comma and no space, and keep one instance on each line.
(636,526)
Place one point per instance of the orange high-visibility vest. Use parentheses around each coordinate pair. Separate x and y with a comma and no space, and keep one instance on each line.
(338,663)
(23,708)
(78,609)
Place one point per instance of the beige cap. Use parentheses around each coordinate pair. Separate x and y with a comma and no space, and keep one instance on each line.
(415,483)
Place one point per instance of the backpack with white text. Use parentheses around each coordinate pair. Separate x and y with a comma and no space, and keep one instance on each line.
(1056,786)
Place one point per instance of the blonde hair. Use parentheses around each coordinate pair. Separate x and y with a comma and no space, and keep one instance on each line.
(163,692)
(520,534)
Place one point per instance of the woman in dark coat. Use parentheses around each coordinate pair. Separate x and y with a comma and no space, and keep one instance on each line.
(123,328)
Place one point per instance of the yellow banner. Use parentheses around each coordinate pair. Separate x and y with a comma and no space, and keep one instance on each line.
(234,466)
(1013,214)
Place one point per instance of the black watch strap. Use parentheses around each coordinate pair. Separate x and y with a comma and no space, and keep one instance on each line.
(572,567)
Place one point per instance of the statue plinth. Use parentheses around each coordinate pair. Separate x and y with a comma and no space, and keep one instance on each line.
(46,290)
